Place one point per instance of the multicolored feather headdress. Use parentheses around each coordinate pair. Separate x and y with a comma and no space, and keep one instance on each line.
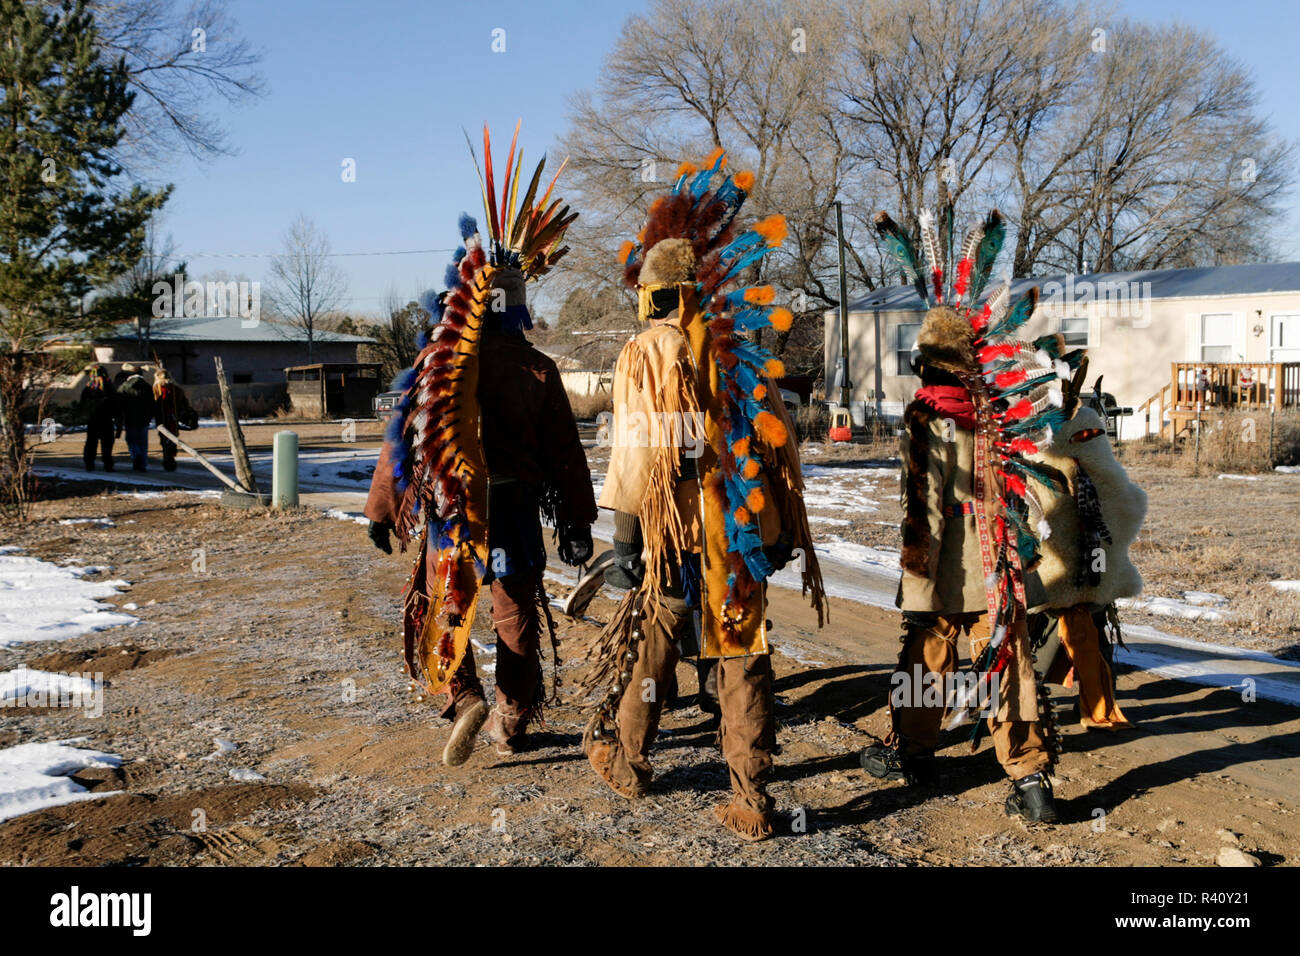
(433,438)
(1022,390)
(703,208)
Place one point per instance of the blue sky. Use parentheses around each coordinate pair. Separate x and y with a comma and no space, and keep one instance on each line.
(390,84)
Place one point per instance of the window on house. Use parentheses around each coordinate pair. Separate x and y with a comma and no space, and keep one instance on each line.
(1216,337)
(905,338)
(1075,330)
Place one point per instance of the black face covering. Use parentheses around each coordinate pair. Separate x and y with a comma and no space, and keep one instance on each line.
(663,301)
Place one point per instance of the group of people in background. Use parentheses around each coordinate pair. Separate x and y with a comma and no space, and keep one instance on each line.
(126,405)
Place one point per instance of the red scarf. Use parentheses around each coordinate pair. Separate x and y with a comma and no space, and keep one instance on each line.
(950,401)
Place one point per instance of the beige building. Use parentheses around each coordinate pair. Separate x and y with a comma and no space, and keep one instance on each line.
(1155,337)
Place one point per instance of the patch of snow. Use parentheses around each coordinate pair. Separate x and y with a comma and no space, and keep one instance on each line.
(102,522)
(1240,477)
(858,555)
(1285,585)
(88,570)
(1288,469)
(1168,607)
(24,684)
(40,601)
(244,775)
(798,654)
(36,776)
(1204,598)
(347,516)
(223,747)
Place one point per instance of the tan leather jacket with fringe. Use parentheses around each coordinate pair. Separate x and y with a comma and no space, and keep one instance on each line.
(942,571)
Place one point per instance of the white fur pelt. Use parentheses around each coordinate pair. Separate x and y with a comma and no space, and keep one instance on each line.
(1123,505)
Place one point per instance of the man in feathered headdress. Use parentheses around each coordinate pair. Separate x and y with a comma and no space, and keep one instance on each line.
(973,512)
(706,490)
(483,445)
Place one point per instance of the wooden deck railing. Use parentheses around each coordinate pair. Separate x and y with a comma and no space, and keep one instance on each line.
(1207,387)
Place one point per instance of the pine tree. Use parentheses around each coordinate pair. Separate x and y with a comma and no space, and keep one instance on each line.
(68,221)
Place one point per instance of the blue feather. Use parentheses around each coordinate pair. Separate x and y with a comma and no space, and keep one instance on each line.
(429,302)
(468,226)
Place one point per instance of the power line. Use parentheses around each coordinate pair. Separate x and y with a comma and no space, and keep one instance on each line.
(272,255)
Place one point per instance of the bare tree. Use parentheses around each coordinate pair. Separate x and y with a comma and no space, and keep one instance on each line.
(305,285)
(691,75)
(177,59)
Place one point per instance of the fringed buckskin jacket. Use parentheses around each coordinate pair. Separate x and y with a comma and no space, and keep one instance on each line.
(942,571)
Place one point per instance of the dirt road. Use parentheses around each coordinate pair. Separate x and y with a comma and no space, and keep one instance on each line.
(283,643)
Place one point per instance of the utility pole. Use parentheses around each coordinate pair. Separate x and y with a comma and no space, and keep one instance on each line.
(846,387)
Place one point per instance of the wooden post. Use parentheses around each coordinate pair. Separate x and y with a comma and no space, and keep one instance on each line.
(162,430)
(237,450)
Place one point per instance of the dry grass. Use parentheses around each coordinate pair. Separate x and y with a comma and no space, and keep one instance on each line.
(1234,442)
(1226,536)
(587,407)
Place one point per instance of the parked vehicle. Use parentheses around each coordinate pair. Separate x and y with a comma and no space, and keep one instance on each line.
(384,404)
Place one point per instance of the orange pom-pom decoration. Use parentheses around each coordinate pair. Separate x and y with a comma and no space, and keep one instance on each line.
(782,319)
(744,180)
(742,516)
(755,499)
(760,295)
(770,429)
(740,447)
(625,250)
(685,169)
(750,470)
(773,229)
(774,368)
(713,157)
(760,392)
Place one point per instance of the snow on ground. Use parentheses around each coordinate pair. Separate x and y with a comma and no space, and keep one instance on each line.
(28,685)
(40,601)
(1205,599)
(1239,477)
(1168,607)
(844,489)
(858,555)
(102,522)
(347,516)
(1285,585)
(36,776)
(1288,469)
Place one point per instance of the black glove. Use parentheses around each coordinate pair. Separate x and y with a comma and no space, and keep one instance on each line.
(780,553)
(575,545)
(628,570)
(379,532)
(920,620)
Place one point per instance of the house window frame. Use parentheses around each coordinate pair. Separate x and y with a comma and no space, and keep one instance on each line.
(1072,335)
(903,353)
(1201,345)
(1274,327)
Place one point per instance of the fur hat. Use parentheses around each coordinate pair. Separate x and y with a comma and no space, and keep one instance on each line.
(669,262)
(946,340)
(130,368)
